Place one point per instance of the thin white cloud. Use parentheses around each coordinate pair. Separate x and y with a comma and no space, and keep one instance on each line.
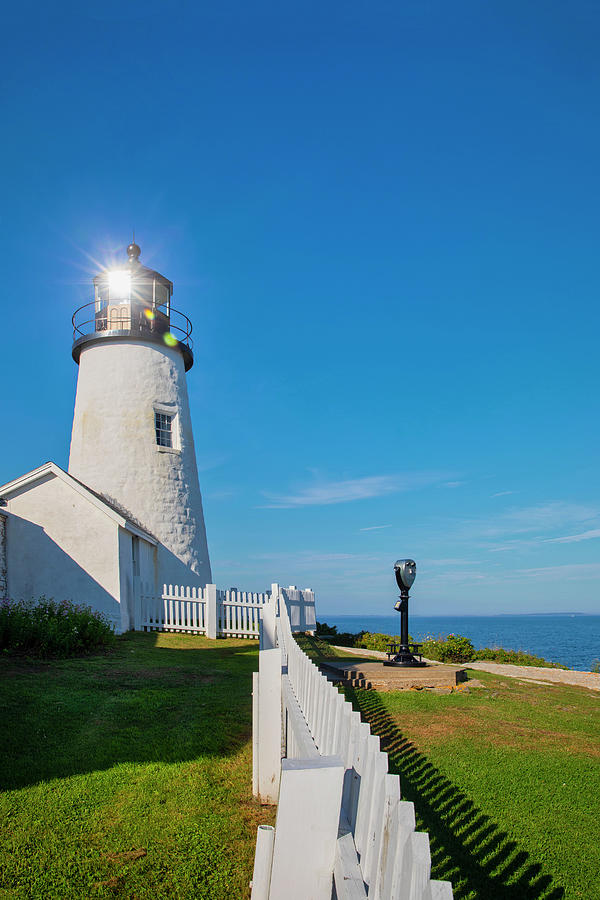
(575,538)
(503,493)
(312,557)
(374,527)
(568,571)
(565,572)
(454,484)
(325,493)
(547,517)
(448,561)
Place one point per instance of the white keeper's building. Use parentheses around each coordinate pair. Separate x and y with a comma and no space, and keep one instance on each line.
(129,510)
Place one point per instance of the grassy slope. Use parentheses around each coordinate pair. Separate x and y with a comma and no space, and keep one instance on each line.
(506,780)
(146,749)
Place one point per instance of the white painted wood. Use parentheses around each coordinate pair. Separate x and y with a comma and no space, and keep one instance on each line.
(179,609)
(186,608)
(385,838)
(343,732)
(281,642)
(421,867)
(303,743)
(439,890)
(306,830)
(211,611)
(403,862)
(263,861)
(368,783)
(349,884)
(339,705)
(358,771)
(255,734)
(373,818)
(323,713)
(268,635)
(269,724)
(275,596)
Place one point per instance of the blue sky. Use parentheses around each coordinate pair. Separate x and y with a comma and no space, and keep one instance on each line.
(382,220)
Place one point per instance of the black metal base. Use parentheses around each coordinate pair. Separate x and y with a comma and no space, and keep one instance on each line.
(406,660)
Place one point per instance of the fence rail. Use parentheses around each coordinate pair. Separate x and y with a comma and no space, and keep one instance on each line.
(215,613)
(342,830)
(177,609)
(238,614)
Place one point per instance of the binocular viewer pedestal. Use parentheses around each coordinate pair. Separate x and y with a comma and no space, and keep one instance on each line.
(404,656)
(404,653)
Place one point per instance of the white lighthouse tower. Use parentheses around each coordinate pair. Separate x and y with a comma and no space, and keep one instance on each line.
(132,437)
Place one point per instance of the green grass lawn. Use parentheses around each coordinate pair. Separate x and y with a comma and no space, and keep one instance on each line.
(319,650)
(506,780)
(129,775)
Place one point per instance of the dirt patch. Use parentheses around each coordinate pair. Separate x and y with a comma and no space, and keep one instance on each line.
(126,855)
(429,732)
(255,813)
(515,735)
(113,883)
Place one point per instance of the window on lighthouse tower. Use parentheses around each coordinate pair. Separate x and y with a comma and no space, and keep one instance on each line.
(163,424)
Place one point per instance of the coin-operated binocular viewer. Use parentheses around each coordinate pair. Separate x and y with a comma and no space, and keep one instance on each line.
(405,571)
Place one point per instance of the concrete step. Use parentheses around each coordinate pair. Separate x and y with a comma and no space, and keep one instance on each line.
(376,676)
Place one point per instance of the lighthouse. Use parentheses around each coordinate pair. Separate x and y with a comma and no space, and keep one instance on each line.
(132,440)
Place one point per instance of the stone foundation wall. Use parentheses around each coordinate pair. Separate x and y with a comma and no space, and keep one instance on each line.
(3,574)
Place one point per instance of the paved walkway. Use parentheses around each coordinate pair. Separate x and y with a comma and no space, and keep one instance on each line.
(536,674)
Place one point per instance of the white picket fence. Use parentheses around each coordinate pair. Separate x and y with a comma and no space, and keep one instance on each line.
(178,608)
(216,613)
(342,831)
(238,613)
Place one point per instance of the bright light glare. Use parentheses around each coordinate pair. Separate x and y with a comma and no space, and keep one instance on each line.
(119,283)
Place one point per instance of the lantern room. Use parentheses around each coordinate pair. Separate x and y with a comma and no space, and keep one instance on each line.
(132,301)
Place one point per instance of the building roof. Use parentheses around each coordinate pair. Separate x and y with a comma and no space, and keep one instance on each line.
(110,508)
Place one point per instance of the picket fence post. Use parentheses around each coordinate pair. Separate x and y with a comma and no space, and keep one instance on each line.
(263,860)
(268,627)
(269,724)
(211,611)
(138,602)
(255,747)
(306,829)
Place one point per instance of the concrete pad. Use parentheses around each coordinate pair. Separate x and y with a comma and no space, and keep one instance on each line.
(376,676)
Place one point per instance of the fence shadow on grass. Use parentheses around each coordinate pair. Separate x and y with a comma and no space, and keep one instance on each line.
(467,847)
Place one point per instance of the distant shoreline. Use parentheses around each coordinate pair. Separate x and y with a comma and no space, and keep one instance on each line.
(458,615)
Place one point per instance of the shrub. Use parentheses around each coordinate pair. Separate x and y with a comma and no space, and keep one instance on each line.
(453,648)
(324,628)
(46,628)
(375,640)
(330,634)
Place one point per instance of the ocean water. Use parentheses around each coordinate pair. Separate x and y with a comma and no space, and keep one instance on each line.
(573,640)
